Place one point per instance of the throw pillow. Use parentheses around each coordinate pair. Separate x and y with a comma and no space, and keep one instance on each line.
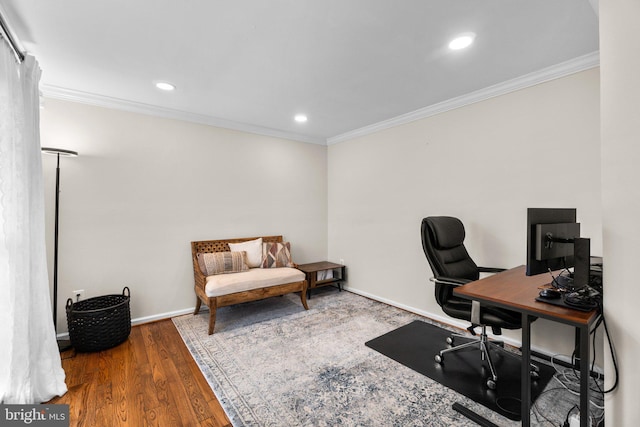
(222,262)
(253,248)
(276,255)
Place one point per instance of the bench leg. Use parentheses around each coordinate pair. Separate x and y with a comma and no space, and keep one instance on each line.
(212,314)
(303,297)
(198,304)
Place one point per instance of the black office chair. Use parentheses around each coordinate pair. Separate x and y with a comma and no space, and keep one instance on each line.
(443,244)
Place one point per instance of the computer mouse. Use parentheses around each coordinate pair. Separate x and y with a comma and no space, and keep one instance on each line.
(549,294)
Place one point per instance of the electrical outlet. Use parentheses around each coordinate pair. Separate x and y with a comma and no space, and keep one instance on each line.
(78,295)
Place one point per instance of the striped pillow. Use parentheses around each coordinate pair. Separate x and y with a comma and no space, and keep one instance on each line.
(222,262)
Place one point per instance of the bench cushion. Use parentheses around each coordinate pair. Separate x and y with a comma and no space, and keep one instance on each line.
(254,278)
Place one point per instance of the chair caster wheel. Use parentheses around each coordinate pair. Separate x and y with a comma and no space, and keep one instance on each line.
(491,384)
(438,358)
(450,340)
(534,375)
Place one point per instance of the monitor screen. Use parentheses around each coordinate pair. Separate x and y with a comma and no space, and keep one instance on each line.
(550,239)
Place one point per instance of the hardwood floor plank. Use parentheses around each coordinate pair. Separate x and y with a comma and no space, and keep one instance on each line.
(190,369)
(166,399)
(149,380)
(119,384)
(147,385)
(104,408)
(184,376)
(180,384)
(134,396)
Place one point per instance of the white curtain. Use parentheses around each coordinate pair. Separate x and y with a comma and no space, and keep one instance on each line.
(30,366)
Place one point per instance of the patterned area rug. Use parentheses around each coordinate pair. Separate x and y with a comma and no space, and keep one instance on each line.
(271,363)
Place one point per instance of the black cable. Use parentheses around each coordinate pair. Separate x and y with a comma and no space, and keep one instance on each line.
(593,358)
(566,420)
(537,411)
(576,374)
(602,321)
(554,280)
(593,347)
(613,356)
(479,419)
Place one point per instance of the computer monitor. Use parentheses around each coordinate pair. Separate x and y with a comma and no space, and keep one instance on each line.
(582,262)
(551,233)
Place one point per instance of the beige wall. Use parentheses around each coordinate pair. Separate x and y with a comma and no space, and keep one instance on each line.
(485,163)
(144,187)
(621,200)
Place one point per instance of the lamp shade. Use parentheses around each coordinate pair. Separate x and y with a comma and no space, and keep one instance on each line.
(60,151)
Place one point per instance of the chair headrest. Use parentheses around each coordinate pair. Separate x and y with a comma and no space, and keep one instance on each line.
(448,231)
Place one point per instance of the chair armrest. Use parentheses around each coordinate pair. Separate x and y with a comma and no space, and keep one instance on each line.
(449,281)
(491,269)
(199,277)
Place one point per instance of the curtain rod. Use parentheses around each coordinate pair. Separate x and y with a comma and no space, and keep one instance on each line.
(6,34)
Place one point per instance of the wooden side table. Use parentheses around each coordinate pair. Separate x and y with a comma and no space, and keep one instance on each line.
(311,271)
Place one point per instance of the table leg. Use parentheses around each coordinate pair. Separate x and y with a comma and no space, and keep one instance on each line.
(312,278)
(525,371)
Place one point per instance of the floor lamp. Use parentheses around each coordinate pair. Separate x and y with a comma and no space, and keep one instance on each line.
(62,344)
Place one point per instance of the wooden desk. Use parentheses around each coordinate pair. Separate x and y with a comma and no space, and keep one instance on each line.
(514,290)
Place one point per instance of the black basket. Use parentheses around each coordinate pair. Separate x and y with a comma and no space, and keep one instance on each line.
(99,323)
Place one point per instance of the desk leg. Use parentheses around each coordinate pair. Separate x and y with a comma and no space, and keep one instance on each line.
(584,376)
(525,371)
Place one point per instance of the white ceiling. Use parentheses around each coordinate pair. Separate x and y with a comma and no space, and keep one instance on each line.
(253,64)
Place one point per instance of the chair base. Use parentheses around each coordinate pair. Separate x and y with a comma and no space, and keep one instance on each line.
(484,344)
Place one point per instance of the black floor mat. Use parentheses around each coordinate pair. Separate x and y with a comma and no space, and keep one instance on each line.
(416,344)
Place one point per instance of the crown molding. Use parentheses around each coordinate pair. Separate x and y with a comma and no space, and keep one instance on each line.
(563,69)
(56,92)
(557,71)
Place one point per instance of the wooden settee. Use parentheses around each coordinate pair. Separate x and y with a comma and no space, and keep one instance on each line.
(214,300)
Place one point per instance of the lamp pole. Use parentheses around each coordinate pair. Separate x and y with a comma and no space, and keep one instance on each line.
(62,344)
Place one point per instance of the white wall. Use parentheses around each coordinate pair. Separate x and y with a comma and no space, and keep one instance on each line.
(485,163)
(621,200)
(144,187)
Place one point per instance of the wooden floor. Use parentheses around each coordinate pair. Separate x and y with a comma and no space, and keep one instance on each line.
(149,380)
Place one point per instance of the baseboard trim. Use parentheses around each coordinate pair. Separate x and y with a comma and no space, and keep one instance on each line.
(433,316)
(147,319)
(564,361)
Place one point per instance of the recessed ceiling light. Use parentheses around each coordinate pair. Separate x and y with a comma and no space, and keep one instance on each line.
(300,118)
(165,86)
(462,41)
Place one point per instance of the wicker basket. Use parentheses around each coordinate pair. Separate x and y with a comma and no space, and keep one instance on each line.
(99,323)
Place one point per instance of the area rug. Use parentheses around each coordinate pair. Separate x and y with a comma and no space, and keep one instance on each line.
(271,363)
(463,371)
